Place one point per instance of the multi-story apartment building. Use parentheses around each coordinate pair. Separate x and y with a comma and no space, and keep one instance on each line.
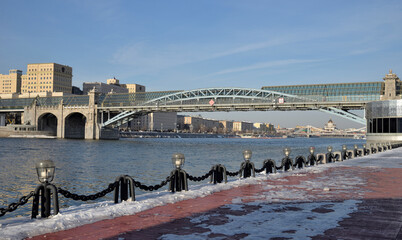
(11,83)
(226,126)
(47,77)
(264,127)
(103,88)
(244,127)
(198,124)
(157,121)
(112,86)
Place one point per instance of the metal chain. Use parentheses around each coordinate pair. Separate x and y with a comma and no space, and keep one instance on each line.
(13,206)
(151,188)
(259,170)
(100,194)
(199,179)
(233,174)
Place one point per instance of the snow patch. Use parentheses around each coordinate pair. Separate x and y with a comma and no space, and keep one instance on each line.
(287,221)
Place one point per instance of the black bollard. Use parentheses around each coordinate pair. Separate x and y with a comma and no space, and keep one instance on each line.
(126,188)
(330,157)
(356,151)
(287,162)
(270,166)
(366,151)
(178,181)
(247,167)
(178,177)
(218,174)
(44,192)
(300,162)
(344,153)
(311,159)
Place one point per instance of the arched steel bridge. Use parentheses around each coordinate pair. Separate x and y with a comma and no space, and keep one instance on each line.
(225,99)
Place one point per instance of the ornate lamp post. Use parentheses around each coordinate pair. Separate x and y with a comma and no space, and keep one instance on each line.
(344,153)
(178,177)
(287,162)
(356,151)
(247,167)
(373,149)
(365,150)
(330,157)
(312,159)
(384,146)
(45,170)
(378,147)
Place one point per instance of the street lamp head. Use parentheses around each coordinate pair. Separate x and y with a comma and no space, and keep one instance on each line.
(329,148)
(247,155)
(364,145)
(45,170)
(355,146)
(344,147)
(312,149)
(178,160)
(287,151)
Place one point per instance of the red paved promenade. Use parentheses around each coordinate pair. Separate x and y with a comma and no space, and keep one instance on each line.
(350,200)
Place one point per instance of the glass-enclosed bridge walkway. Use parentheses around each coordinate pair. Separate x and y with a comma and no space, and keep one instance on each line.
(332,98)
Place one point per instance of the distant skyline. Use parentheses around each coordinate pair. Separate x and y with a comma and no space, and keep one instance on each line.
(183,45)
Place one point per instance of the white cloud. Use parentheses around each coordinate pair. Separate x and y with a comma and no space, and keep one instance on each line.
(147,57)
(262,65)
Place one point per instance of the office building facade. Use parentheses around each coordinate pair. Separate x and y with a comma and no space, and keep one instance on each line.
(47,77)
(11,83)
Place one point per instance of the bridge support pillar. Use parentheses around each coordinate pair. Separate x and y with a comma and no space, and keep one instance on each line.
(92,124)
(2,119)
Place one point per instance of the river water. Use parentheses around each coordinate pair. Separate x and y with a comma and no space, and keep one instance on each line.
(86,166)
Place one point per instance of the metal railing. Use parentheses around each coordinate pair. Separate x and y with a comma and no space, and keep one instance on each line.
(124,185)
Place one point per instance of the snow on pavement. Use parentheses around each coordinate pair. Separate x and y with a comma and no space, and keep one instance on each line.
(286,221)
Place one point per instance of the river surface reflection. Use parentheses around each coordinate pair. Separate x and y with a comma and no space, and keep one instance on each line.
(86,166)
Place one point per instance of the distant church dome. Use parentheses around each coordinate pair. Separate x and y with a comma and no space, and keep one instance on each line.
(330,126)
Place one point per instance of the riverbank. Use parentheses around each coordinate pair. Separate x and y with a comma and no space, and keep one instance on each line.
(23,131)
(94,164)
(356,199)
(216,135)
(173,135)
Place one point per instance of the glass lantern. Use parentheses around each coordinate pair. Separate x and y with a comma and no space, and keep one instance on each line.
(178,160)
(287,151)
(247,155)
(45,170)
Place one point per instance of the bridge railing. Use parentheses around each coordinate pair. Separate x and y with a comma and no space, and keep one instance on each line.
(129,99)
(154,98)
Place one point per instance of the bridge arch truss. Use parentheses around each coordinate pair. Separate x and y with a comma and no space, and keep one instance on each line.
(233,99)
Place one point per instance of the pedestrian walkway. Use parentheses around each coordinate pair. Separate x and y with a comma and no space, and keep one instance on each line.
(354,199)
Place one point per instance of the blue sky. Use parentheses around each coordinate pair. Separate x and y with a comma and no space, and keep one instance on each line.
(170,45)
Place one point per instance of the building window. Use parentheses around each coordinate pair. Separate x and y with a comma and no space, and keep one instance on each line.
(379,125)
(392,125)
(385,123)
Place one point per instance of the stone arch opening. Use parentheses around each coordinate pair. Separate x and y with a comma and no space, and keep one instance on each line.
(75,126)
(48,122)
